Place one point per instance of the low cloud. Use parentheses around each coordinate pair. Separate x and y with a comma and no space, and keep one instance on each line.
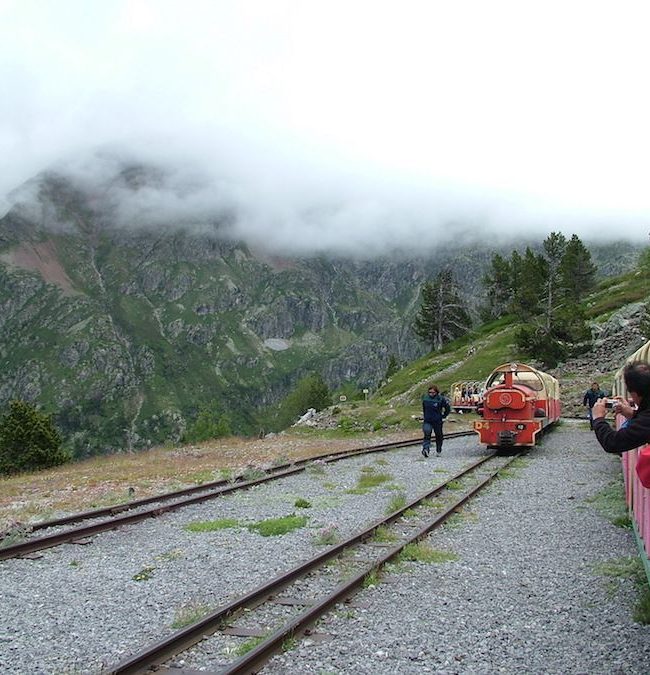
(335,127)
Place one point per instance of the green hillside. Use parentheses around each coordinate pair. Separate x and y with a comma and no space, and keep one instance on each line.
(616,311)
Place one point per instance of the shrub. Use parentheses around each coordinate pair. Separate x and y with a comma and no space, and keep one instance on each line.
(29,440)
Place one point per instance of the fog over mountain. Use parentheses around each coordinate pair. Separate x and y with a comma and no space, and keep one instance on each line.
(360,128)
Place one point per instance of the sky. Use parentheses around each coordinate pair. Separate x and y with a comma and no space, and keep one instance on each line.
(342,124)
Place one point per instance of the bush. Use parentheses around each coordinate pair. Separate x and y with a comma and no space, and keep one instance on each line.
(29,440)
(210,423)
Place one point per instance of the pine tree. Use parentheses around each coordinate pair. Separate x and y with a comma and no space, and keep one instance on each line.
(498,282)
(577,270)
(442,315)
(28,440)
(554,248)
(529,274)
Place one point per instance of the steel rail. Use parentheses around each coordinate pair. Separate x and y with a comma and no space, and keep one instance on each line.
(250,662)
(77,533)
(184,638)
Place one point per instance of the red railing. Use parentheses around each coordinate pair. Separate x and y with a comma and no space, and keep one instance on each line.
(637,497)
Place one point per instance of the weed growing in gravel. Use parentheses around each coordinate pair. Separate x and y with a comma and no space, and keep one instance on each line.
(383,535)
(274,527)
(381,461)
(253,473)
(459,518)
(189,613)
(144,574)
(329,486)
(15,535)
(642,610)
(629,568)
(520,463)
(369,479)
(301,503)
(421,552)
(227,474)
(289,643)
(396,503)
(410,513)
(610,503)
(434,504)
(202,477)
(211,525)
(282,460)
(507,473)
(440,471)
(371,579)
(454,485)
(327,536)
(168,556)
(74,563)
(395,487)
(248,645)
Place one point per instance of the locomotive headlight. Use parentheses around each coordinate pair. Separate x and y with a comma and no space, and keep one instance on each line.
(520,427)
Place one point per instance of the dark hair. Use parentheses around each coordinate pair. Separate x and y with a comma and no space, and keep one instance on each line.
(637,381)
(435,387)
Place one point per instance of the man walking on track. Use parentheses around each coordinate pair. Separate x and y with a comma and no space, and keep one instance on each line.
(434,409)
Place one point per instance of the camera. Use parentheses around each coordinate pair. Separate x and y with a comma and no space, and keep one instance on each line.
(610,404)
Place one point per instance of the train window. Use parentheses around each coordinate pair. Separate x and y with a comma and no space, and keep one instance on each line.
(530,380)
(526,378)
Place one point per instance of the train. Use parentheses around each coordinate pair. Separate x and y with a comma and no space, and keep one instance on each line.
(519,402)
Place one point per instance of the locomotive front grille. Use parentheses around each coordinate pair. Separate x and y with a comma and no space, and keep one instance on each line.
(506,437)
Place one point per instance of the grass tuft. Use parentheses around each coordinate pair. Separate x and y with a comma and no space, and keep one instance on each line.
(610,503)
(421,552)
(274,527)
(396,503)
(190,613)
(144,574)
(384,535)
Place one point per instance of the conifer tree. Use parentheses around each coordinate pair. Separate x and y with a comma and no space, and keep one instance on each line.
(442,315)
(498,282)
(28,440)
(529,274)
(577,270)
(554,248)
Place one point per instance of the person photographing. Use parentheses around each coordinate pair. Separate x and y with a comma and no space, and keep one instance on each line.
(636,430)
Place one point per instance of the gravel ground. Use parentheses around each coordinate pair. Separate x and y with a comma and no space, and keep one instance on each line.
(523,596)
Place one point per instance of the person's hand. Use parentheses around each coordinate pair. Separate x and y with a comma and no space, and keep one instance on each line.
(599,409)
(622,407)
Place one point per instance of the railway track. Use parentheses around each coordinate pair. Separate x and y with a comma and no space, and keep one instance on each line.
(301,587)
(141,509)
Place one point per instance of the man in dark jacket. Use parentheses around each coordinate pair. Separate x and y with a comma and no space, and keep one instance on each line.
(434,409)
(590,397)
(636,431)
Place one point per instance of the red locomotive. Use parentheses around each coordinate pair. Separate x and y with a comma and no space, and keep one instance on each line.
(519,402)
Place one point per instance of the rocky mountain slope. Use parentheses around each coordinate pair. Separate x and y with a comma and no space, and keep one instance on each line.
(125,331)
(125,326)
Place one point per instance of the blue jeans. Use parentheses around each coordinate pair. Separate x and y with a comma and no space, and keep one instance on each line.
(427,429)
